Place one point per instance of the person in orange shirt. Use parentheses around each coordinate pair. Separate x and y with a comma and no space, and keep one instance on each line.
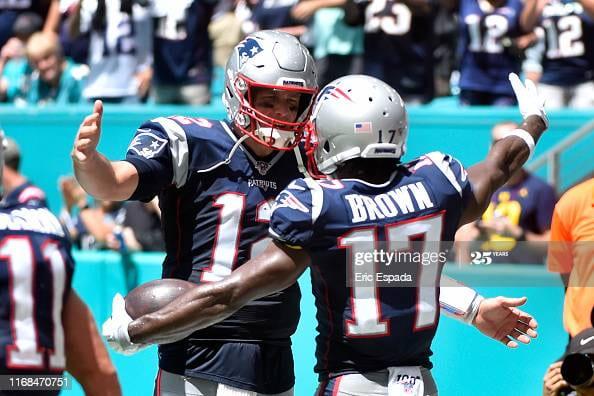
(571,253)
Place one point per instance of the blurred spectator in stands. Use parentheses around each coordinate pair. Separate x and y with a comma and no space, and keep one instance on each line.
(48,10)
(144,221)
(519,212)
(446,42)
(224,31)
(15,48)
(24,26)
(120,49)
(571,254)
(182,51)
(89,225)
(255,15)
(493,36)
(74,44)
(399,44)
(124,227)
(562,60)
(17,189)
(337,46)
(48,77)
(284,15)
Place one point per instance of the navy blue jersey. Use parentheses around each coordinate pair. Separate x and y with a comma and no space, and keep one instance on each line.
(35,277)
(484,37)
(371,328)
(528,204)
(182,47)
(215,220)
(399,46)
(26,193)
(567,31)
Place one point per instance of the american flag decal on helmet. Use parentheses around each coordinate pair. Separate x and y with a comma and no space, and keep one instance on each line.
(362,127)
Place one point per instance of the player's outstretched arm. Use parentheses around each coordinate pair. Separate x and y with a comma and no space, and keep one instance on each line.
(508,154)
(86,357)
(103,179)
(275,269)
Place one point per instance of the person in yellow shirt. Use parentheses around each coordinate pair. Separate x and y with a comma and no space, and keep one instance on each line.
(517,221)
(571,254)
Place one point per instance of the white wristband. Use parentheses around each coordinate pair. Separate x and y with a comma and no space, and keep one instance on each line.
(476,303)
(458,301)
(525,136)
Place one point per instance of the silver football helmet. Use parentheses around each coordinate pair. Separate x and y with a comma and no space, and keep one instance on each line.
(273,60)
(357,116)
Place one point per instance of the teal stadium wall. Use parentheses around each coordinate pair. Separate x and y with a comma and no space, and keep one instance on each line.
(466,363)
(46,134)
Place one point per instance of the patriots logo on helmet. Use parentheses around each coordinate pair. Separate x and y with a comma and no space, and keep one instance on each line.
(329,92)
(247,49)
(147,144)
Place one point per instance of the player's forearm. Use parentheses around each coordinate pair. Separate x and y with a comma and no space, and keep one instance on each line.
(277,268)
(199,308)
(506,157)
(103,179)
(511,153)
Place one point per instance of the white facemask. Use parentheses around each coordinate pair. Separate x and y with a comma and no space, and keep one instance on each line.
(278,138)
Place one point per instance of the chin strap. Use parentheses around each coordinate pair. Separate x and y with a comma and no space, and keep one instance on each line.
(300,165)
(227,160)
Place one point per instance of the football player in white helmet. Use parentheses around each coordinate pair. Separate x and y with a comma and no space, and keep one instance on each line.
(215,181)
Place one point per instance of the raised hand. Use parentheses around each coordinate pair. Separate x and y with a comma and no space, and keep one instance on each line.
(89,132)
(529,102)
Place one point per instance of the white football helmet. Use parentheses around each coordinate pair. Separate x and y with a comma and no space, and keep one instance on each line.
(273,60)
(356,116)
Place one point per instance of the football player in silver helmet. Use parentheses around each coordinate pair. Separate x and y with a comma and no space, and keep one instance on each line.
(215,181)
(269,66)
